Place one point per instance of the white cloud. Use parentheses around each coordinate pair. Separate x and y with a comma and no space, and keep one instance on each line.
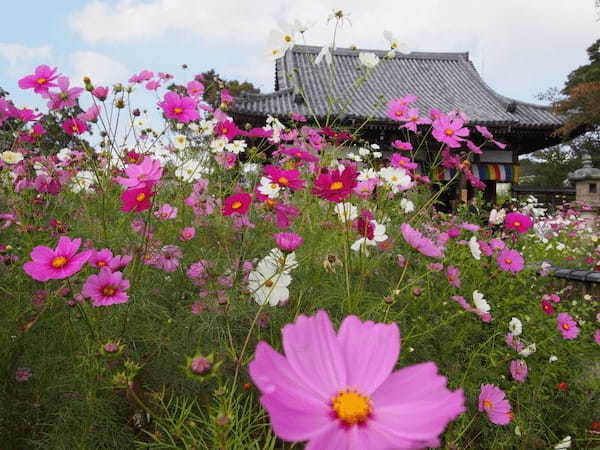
(22,59)
(100,68)
(521,47)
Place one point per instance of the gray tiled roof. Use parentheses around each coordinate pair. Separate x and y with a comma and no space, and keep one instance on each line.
(445,81)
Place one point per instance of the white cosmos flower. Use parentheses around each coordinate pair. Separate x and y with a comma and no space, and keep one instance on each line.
(515,326)
(363,151)
(364,242)
(564,444)
(238,146)
(474,247)
(397,178)
(497,216)
(206,127)
(64,154)
(407,206)
(368,59)
(377,155)
(552,359)
(269,285)
(218,145)
(366,174)
(394,43)
(179,142)
(347,212)
(83,181)
(480,302)
(269,188)
(191,170)
(531,348)
(250,168)
(11,157)
(325,53)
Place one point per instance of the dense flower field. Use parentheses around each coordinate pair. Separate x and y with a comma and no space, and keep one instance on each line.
(203,284)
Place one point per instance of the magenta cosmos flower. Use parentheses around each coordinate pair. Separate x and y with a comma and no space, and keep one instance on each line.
(74,126)
(518,370)
(148,171)
(107,288)
(567,326)
(41,80)
(236,204)
(510,260)
(325,392)
(285,178)
(417,241)
(518,222)
(288,242)
(493,401)
(182,109)
(336,185)
(48,264)
(137,199)
(450,132)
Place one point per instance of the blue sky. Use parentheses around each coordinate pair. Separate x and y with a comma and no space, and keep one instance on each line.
(520,47)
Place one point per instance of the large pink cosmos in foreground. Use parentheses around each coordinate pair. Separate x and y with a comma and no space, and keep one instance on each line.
(48,264)
(338,391)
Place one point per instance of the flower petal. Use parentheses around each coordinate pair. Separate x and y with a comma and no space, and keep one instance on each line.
(379,346)
(314,352)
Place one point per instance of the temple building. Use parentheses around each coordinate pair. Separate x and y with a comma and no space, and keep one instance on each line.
(339,94)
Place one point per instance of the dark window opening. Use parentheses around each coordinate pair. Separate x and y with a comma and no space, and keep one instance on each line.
(593,188)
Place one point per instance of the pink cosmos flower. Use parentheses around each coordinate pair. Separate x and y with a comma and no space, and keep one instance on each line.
(486,134)
(288,242)
(107,288)
(484,316)
(74,126)
(413,119)
(195,89)
(66,97)
(137,199)
(62,262)
(90,115)
(510,260)
(236,204)
(518,222)
(168,260)
(100,92)
(100,258)
(144,75)
(298,117)
(449,132)
(567,326)
(400,145)
(166,212)
(402,162)
(41,80)
(518,370)
(547,307)
(364,189)
(148,171)
(453,274)
(397,109)
(417,241)
(514,342)
(493,401)
(325,392)
(597,336)
(336,185)
(187,234)
(300,154)
(152,85)
(285,178)
(182,109)
(227,129)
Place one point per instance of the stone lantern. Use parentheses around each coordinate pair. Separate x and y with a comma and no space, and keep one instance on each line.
(587,183)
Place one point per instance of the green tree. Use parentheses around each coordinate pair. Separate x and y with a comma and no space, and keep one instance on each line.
(213,84)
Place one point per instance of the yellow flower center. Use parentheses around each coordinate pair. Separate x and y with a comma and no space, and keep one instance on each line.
(399,113)
(517,223)
(109,291)
(236,205)
(283,180)
(351,407)
(508,260)
(74,128)
(59,261)
(269,283)
(487,404)
(101,263)
(41,81)
(140,197)
(565,326)
(178,110)
(336,186)
(287,38)
(449,132)
(394,179)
